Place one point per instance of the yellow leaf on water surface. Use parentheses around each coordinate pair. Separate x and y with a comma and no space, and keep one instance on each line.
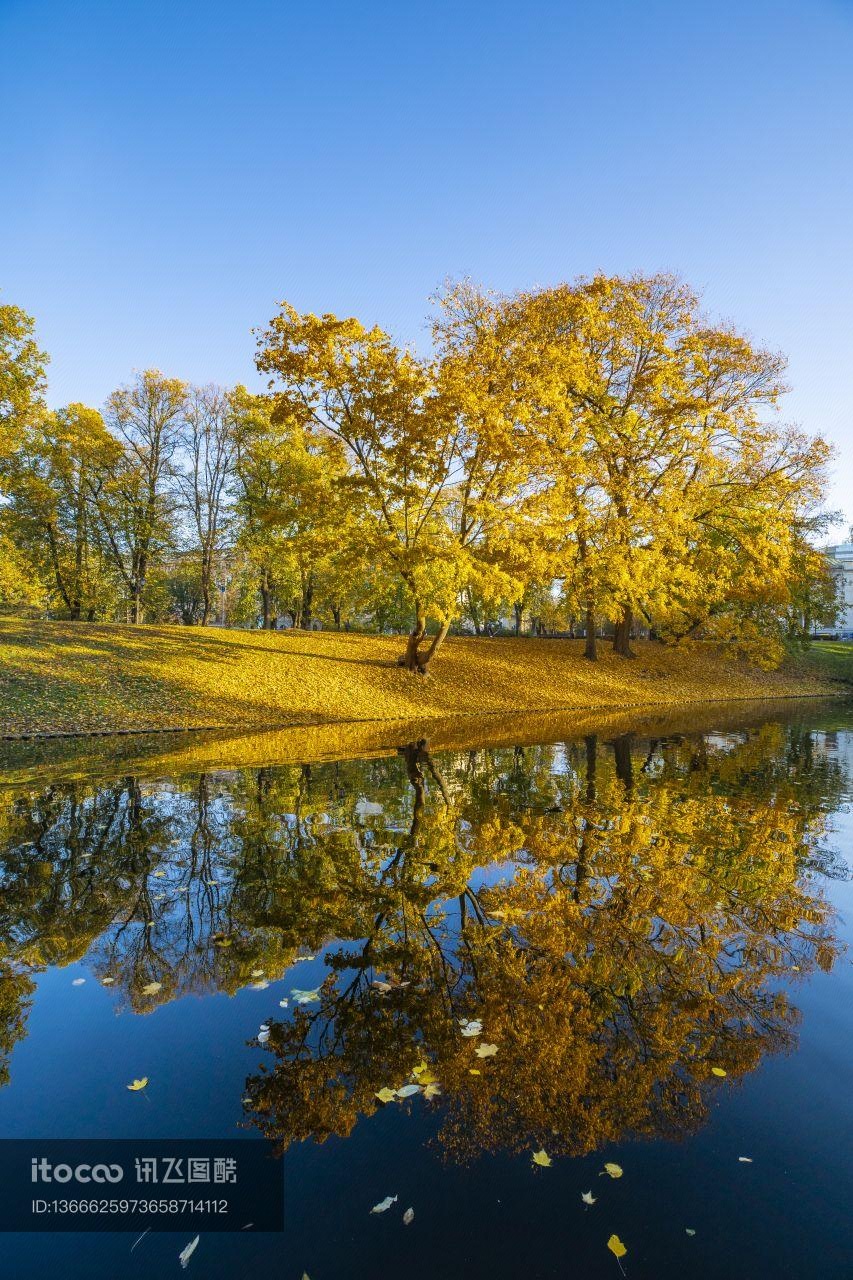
(588,1197)
(432,1090)
(616,1246)
(136,1085)
(542,1159)
(486,1050)
(385,1094)
(473,1071)
(717,1071)
(151,988)
(614,1170)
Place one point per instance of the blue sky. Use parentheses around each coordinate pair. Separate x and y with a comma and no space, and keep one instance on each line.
(168,171)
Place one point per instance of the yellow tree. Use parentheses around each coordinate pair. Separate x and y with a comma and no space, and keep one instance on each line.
(662,454)
(428,481)
(62,460)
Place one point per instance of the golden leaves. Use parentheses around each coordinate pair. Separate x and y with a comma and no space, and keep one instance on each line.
(542,1159)
(136,1086)
(616,1247)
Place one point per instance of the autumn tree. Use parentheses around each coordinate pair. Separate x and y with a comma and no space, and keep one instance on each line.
(62,461)
(22,376)
(427,479)
(204,473)
(135,502)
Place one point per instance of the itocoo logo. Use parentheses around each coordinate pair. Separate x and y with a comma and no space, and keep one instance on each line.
(44,1171)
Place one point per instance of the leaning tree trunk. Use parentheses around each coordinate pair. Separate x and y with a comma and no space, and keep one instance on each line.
(622,634)
(416,659)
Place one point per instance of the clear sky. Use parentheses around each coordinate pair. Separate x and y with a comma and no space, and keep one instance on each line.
(168,171)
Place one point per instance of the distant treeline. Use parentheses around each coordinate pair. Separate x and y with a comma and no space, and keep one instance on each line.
(598,454)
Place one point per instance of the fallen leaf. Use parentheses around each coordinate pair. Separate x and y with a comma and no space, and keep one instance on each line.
(614,1170)
(486,1050)
(107,982)
(432,1090)
(588,1197)
(257,973)
(542,1158)
(717,1071)
(385,1094)
(152,988)
(138,1084)
(78,982)
(408,1216)
(186,1253)
(745,1159)
(407,1090)
(470,1028)
(474,1071)
(689,1231)
(384,1204)
(297,959)
(282,1004)
(260,985)
(159,874)
(263,1035)
(616,1247)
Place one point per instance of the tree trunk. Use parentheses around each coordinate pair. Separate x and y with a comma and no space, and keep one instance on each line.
(307,602)
(411,658)
(590,649)
(336,615)
(266,594)
(518,610)
(622,634)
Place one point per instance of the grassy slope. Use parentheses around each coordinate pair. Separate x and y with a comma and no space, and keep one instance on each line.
(829,660)
(82,677)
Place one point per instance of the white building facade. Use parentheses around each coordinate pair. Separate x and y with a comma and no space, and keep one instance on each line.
(841,566)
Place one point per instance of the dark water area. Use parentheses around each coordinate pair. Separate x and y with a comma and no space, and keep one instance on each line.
(628,950)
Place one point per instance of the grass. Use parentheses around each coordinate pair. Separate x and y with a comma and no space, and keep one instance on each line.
(79,677)
(828,660)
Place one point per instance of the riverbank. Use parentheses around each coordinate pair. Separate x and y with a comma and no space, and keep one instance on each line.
(61,678)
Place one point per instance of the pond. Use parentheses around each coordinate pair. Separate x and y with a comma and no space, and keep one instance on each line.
(622,949)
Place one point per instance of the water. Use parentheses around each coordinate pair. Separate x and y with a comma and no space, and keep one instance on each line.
(622,914)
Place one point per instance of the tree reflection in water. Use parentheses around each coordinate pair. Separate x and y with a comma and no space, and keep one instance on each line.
(621,916)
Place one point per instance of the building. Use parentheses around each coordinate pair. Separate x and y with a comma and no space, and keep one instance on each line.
(841,566)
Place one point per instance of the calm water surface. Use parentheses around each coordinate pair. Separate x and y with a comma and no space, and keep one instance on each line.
(620,916)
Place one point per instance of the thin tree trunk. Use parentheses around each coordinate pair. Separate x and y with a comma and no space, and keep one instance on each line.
(518,609)
(590,649)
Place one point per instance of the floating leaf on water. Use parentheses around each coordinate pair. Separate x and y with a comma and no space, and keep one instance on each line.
(136,1085)
(299,959)
(408,1090)
(614,1170)
(588,1197)
(159,874)
(152,988)
(471,1027)
(689,1231)
(305,997)
(77,982)
(745,1159)
(107,982)
(474,1071)
(382,987)
(408,1216)
(542,1158)
(188,1251)
(257,973)
(384,1204)
(260,985)
(718,1071)
(486,1050)
(616,1246)
(283,1003)
(263,1036)
(432,1090)
(385,1094)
